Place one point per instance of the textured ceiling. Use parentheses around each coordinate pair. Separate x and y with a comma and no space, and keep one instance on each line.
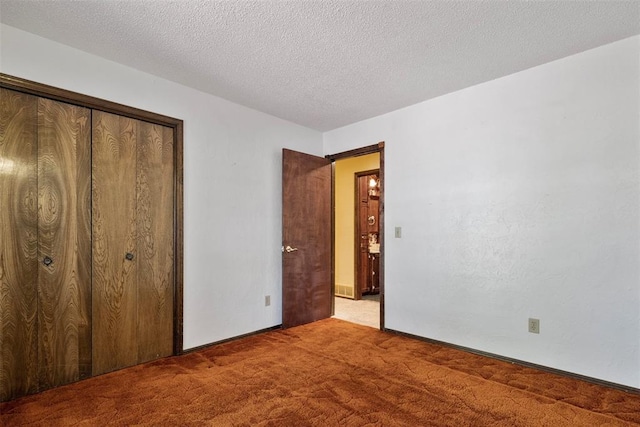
(325,64)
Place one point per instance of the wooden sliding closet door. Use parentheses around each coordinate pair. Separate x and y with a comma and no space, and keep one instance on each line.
(45,253)
(18,244)
(132,242)
(64,243)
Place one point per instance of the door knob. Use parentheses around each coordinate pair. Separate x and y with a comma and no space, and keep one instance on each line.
(47,261)
(129,256)
(289,249)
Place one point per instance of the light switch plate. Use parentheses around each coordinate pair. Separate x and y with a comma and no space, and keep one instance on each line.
(398,232)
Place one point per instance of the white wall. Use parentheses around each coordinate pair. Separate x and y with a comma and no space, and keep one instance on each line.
(232,181)
(519,198)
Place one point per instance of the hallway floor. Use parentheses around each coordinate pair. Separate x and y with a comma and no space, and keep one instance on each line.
(363,312)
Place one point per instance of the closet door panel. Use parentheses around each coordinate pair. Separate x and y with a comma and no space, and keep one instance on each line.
(64,282)
(114,235)
(84,258)
(18,244)
(155,242)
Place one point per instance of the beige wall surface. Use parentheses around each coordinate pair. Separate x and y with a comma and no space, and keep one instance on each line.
(345,170)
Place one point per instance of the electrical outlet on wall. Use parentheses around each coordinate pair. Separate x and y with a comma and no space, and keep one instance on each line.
(534,326)
(267,300)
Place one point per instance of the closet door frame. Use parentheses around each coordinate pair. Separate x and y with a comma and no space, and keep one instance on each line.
(45,91)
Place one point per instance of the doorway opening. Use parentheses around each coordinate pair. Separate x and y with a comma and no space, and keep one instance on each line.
(358,235)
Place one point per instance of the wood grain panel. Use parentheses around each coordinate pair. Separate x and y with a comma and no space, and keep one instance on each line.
(306,225)
(362,261)
(38,89)
(155,254)
(114,234)
(18,244)
(84,259)
(64,286)
(68,310)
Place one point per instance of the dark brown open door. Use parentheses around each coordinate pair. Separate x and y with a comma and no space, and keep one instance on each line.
(306,238)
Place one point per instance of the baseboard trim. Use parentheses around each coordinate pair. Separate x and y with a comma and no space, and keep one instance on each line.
(235,338)
(585,378)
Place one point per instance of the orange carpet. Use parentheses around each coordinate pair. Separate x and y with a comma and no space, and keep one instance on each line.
(330,373)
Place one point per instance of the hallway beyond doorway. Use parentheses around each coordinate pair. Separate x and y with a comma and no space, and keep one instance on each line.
(363,312)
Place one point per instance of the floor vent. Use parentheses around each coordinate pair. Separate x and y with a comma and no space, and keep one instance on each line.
(344,291)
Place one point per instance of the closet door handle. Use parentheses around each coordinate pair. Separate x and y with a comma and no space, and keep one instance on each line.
(129,256)
(47,261)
